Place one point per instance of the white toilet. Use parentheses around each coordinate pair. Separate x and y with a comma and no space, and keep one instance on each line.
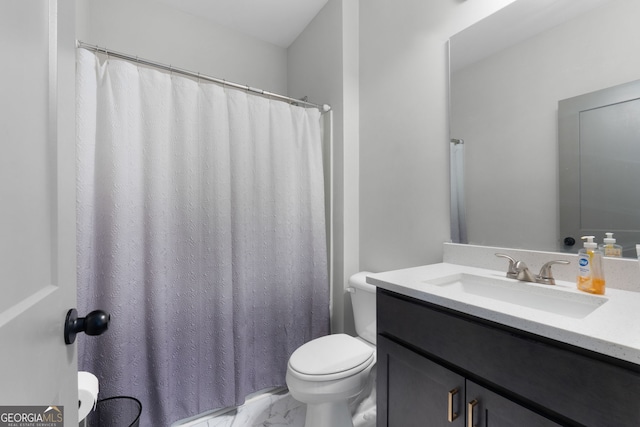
(324,373)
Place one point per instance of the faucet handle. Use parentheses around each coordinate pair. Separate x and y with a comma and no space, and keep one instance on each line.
(512,272)
(545,276)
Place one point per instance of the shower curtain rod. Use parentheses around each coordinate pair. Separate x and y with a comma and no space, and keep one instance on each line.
(323,108)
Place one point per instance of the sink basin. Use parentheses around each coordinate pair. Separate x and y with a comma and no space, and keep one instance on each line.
(540,297)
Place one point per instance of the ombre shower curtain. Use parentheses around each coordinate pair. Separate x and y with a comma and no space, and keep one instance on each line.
(201,230)
(458,209)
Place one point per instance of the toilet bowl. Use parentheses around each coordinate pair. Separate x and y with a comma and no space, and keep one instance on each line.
(327,371)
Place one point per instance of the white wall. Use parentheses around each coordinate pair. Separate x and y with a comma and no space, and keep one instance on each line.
(404,166)
(517,91)
(323,64)
(155,31)
(383,68)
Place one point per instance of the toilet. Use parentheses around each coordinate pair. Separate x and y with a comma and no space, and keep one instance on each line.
(327,371)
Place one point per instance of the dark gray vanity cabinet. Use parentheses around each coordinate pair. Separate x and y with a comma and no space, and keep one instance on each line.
(419,392)
(435,363)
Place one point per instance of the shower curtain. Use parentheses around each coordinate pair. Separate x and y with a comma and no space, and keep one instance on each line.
(201,230)
(458,211)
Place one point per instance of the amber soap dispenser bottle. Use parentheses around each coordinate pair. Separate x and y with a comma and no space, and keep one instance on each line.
(590,272)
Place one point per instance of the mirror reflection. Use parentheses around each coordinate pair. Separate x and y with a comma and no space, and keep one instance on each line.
(509,73)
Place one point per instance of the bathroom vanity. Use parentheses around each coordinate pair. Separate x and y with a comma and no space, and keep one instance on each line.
(453,350)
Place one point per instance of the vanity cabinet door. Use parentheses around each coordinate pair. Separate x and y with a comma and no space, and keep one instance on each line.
(414,391)
(488,409)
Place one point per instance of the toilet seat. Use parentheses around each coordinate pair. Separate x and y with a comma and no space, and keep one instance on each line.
(330,358)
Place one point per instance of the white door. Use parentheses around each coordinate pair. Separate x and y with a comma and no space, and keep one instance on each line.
(37,204)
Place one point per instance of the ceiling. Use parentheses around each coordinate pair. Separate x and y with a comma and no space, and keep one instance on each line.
(275,21)
(511,25)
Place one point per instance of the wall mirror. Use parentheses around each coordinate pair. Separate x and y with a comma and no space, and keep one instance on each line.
(508,74)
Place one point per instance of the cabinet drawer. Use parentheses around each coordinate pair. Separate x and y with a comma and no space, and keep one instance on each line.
(566,384)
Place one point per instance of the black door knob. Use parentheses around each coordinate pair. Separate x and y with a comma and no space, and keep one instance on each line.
(95,323)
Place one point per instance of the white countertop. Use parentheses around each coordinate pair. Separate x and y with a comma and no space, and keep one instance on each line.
(612,329)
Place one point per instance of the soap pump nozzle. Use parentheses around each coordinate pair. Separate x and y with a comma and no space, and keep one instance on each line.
(589,244)
(609,239)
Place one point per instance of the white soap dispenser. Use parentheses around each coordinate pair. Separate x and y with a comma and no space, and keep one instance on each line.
(590,272)
(610,248)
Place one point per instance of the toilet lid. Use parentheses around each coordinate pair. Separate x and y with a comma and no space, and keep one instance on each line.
(330,354)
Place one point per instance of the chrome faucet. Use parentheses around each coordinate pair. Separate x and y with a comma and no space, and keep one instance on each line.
(518,270)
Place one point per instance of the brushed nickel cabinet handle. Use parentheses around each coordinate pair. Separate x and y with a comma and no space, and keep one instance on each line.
(450,414)
(470,406)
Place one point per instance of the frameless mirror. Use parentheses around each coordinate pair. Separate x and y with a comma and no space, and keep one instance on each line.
(509,72)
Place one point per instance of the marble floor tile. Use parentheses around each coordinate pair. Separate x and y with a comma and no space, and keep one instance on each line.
(280,409)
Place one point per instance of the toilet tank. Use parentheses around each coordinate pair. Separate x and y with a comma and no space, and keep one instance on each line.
(363,301)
